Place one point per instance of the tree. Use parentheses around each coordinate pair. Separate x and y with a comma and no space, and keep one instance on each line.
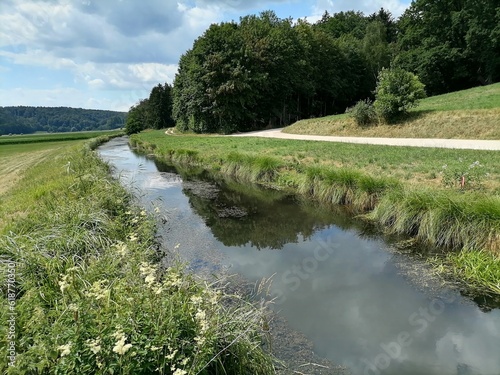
(137,117)
(397,91)
(160,107)
(452,45)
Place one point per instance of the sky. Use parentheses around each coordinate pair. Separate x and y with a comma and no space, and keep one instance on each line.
(109,54)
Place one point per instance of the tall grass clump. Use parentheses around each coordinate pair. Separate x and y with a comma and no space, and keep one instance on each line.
(91,296)
(442,219)
(480,269)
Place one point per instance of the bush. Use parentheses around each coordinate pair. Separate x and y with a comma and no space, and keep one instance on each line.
(363,112)
(397,91)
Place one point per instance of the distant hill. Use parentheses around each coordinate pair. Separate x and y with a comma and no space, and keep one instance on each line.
(27,120)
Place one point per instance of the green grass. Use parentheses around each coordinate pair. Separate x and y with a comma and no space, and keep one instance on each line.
(90,296)
(54,137)
(481,270)
(468,114)
(415,166)
(483,97)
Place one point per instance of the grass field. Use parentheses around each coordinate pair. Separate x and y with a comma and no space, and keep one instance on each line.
(19,152)
(15,159)
(54,137)
(469,114)
(415,166)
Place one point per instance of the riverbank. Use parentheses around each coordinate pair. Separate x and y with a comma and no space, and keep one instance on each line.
(449,218)
(84,290)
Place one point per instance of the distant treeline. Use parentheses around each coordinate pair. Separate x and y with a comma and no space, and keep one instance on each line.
(27,120)
(265,71)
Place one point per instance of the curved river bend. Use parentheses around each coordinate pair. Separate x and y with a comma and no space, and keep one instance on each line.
(354,298)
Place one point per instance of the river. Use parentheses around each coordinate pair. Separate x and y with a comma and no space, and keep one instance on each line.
(360,303)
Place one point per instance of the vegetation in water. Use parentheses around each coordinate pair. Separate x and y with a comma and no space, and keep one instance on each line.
(89,294)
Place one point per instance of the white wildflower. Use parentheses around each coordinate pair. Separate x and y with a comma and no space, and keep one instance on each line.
(120,346)
(98,290)
(65,349)
(196,300)
(63,283)
(94,345)
(171,355)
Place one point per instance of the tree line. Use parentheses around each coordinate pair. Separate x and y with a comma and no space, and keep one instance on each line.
(264,71)
(27,120)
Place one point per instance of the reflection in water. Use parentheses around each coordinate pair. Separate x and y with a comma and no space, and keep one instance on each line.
(344,291)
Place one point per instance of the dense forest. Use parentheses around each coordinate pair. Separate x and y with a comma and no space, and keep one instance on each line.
(264,71)
(27,120)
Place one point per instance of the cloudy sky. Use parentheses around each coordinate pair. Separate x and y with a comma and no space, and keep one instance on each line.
(108,54)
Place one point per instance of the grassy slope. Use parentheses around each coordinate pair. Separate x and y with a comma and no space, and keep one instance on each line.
(469,114)
(89,296)
(399,187)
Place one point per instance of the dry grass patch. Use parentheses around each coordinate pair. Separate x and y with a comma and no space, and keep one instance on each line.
(456,124)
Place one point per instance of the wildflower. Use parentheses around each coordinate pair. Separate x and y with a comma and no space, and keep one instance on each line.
(171,355)
(158,290)
(196,300)
(94,345)
(143,213)
(200,315)
(157,210)
(150,279)
(98,290)
(155,348)
(63,284)
(128,213)
(120,346)
(185,361)
(121,248)
(135,220)
(178,371)
(132,237)
(73,307)
(65,349)
(199,340)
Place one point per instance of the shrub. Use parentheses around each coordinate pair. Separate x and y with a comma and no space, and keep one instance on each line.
(363,112)
(397,91)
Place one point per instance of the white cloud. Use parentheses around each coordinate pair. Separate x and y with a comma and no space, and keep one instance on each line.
(396,7)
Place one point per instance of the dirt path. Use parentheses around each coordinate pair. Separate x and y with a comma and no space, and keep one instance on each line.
(413,142)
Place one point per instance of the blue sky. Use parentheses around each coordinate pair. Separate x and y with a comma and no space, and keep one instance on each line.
(108,54)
